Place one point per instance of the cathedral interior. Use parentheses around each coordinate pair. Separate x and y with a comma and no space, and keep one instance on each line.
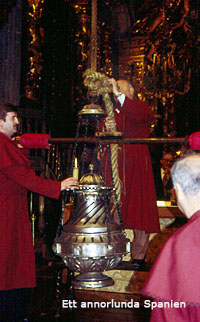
(45,48)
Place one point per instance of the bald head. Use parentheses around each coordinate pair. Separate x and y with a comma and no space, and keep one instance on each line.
(126,88)
(186,173)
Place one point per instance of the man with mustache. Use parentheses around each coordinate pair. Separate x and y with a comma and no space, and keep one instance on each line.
(17,269)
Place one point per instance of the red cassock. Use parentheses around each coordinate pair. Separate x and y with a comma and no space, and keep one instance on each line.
(175,275)
(17,259)
(139,209)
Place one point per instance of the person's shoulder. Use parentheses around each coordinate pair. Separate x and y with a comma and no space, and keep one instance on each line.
(4,139)
(144,105)
(189,231)
(136,102)
(2,136)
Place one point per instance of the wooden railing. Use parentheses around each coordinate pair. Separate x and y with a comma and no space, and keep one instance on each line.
(117,140)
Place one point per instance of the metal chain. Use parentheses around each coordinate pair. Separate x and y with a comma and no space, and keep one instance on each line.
(106,204)
(60,224)
(100,149)
(75,145)
(84,147)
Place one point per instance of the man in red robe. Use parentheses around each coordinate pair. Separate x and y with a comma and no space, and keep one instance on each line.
(139,210)
(17,268)
(174,279)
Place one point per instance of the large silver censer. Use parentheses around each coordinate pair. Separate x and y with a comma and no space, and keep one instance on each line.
(91,242)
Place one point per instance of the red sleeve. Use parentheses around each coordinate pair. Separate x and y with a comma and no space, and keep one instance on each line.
(17,168)
(27,178)
(35,140)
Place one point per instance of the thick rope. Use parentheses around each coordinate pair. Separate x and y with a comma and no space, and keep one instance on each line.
(98,84)
(93,48)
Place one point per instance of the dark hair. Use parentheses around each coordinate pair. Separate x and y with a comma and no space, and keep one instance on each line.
(6,108)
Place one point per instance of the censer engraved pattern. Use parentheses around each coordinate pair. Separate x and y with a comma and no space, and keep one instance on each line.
(92,264)
(89,211)
(116,237)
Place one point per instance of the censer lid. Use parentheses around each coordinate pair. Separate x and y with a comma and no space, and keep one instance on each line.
(91,178)
(92,181)
(92,110)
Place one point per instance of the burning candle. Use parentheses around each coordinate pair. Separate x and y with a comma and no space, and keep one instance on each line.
(75,169)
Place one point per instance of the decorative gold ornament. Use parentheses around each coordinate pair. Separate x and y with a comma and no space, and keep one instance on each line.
(36,33)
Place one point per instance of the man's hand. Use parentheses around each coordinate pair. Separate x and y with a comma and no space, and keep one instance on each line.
(17,139)
(110,124)
(69,183)
(113,82)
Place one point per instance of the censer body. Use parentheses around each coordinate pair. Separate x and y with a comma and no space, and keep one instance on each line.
(91,242)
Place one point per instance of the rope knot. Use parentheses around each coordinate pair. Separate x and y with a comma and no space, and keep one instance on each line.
(97,83)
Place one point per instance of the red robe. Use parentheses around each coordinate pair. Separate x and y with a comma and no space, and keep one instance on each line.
(175,274)
(17,263)
(139,209)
